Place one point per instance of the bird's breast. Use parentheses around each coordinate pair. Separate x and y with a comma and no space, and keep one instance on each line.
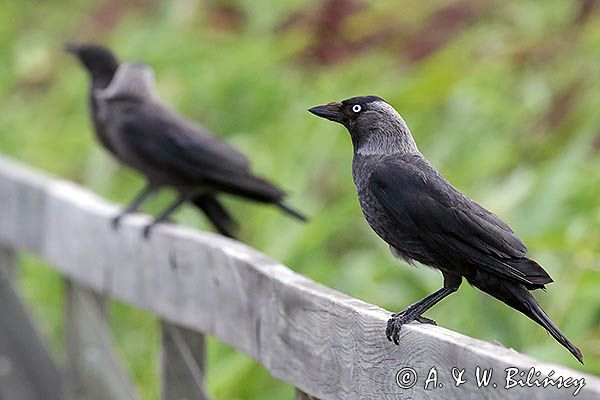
(405,245)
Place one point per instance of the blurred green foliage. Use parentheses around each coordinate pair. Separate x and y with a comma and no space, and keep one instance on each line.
(503,97)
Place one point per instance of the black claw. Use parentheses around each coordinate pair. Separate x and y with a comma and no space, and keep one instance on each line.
(394,326)
(389,330)
(115,222)
(425,320)
(147,230)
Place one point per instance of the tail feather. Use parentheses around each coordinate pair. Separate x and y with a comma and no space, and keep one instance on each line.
(536,313)
(532,271)
(258,189)
(217,214)
(294,213)
(251,187)
(518,297)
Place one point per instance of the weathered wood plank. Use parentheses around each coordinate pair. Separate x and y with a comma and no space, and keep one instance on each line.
(182,363)
(93,368)
(327,344)
(27,371)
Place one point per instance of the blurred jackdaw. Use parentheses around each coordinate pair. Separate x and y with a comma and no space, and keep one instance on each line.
(423,218)
(171,151)
(102,65)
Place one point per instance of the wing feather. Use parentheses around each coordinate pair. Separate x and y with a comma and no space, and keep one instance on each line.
(423,203)
(184,150)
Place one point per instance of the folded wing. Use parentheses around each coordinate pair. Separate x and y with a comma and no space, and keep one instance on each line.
(445,221)
(186,151)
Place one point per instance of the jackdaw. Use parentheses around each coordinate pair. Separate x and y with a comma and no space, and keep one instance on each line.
(171,151)
(102,64)
(423,218)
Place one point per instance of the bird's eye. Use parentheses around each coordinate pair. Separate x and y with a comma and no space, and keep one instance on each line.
(356,108)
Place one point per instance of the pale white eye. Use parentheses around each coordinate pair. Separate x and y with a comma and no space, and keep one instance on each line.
(356,108)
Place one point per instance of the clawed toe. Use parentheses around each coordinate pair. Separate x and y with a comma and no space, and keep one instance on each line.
(395,323)
(147,230)
(425,320)
(115,222)
(394,326)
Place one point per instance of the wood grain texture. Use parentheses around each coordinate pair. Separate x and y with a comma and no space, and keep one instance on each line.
(325,343)
(182,363)
(27,370)
(93,369)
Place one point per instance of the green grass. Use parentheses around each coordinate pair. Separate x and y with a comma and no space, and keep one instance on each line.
(507,109)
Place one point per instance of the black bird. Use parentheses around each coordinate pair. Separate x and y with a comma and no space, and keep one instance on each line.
(102,64)
(423,218)
(171,151)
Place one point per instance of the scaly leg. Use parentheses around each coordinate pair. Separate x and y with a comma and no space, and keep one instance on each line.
(165,214)
(415,311)
(142,196)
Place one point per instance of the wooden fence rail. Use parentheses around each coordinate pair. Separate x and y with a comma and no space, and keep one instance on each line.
(328,345)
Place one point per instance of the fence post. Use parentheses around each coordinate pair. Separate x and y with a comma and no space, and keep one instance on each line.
(182,363)
(93,367)
(27,371)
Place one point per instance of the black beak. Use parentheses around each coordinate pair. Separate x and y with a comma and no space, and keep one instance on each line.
(331,111)
(71,48)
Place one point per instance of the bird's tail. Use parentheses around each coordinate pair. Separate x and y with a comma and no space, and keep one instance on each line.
(216,213)
(518,297)
(294,213)
(259,189)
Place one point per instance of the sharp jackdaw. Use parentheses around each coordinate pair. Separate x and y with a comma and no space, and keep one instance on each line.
(102,65)
(423,218)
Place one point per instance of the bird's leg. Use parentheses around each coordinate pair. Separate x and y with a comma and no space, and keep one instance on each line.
(165,214)
(142,196)
(414,312)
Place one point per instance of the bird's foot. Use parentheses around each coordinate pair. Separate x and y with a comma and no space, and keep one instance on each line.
(147,230)
(395,323)
(116,221)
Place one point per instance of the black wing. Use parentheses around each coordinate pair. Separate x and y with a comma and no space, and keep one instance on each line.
(429,209)
(182,149)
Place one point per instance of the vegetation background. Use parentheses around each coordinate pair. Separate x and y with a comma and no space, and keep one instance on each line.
(502,96)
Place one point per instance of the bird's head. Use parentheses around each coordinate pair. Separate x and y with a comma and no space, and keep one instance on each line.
(132,80)
(100,62)
(374,125)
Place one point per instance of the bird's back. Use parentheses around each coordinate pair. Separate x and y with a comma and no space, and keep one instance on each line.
(170,150)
